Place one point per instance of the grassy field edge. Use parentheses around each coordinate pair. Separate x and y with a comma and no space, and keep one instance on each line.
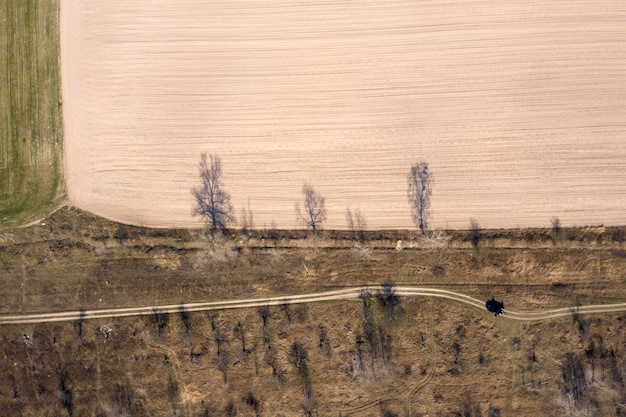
(31,146)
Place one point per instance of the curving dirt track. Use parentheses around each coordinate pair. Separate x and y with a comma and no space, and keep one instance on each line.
(345,294)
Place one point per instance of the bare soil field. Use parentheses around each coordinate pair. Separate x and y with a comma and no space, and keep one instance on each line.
(412,356)
(518,107)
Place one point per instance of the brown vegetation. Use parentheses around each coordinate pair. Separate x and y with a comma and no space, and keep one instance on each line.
(517,106)
(382,355)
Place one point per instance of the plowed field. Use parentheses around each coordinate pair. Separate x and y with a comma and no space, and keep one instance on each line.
(517,106)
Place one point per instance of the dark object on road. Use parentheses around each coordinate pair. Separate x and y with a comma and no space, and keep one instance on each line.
(495,306)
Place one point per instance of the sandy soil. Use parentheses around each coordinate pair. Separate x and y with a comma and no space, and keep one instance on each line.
(518,107)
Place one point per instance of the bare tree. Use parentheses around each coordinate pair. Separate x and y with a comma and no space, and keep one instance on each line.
(556,229)
(79,324)
(314,211)
(264,313)
(65,393)
(287,310)
(356,224)
(389,301)
(470,408)
(231,409)
(221,363)
(122,399)
(247,221)
(273,234)
(212,202)
(185,317)
(253,402)
(493,411)
(159,319)
(222,359)
(358,340)
(299,358)
(475,229)
(582,324)
(369,326)
(271,358)
(574,379)
(307,401)
(194,357)
(173,393)
(240,334)
(324,341)
(419,192)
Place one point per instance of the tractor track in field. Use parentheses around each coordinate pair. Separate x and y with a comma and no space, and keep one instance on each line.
(343,294)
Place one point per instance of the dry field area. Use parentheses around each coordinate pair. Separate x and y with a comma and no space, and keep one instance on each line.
(518,107)
(413,357)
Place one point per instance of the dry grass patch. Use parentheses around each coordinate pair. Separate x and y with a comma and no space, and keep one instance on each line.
(434,358)
(421,356)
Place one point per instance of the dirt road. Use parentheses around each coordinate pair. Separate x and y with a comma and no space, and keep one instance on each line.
(345,294)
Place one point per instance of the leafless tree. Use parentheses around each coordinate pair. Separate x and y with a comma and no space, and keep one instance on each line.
(470,408)
(475,230)
(221,363)
(185,317)
(369,326)
(173,393)
(159,319)
(194,356)
(15,391)
(457,351)
(324,341)
(286,308)
(358,340)
(252,402)
(307,402)
(205,411)
(264,313)
(314,212)
(221,340)
(299,358)
(122,399)
(271,358)
(273,234)
(389,301)
(556,229)
(420,189)
(212,202)
(79,324)
(240,333)
(581,324)
(384,335)
(65,393)
(231,409)
(247,221)
(493,411)
(356,224)
(574,379)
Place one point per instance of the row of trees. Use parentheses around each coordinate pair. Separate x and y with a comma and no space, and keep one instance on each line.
(214,207)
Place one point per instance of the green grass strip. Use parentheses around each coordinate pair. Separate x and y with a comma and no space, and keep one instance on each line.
(31,130)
